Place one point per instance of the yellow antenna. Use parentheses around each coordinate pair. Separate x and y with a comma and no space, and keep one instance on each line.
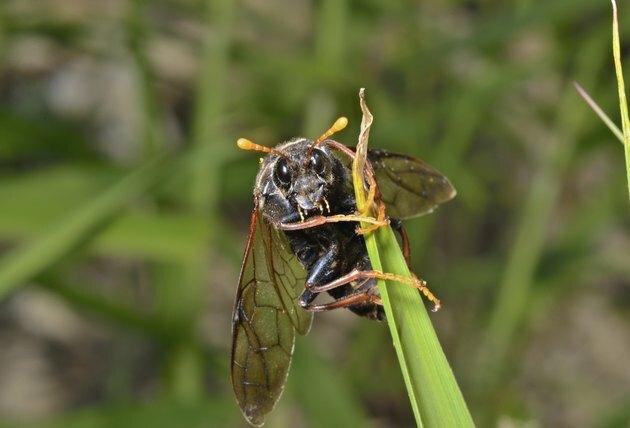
(339,124)
(245,144)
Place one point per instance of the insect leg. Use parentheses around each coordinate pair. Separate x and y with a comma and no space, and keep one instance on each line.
(361,296)
(320,219)
(356,274)
(381,220)
(322,271)
(374,196)
(291,218)
(374,193)
(306,298)
(398,226)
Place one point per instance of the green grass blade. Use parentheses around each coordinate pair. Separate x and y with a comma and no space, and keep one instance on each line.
(28,260)
(623,104)
(107,308)
(211,95)
(599,112)
(495,358)
(163,413)
(314,376)
(138,45)
(433,391)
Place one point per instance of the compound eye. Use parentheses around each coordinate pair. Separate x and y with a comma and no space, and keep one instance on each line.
(317,162)
(283,172)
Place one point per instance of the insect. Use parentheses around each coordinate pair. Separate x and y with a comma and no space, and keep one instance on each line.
(303,241)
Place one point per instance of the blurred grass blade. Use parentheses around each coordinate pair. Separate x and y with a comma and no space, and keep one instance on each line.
(210,101)
(433,391)
(162,413)
(112,309)
(28,260)
(314,376)
(531,235)
(138,30)
(41,199)
(597,109)
(623,104)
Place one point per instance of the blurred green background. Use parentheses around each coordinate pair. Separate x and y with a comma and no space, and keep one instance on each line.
(125,204)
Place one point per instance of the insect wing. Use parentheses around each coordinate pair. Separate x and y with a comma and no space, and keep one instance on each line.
(264,320)
(409,187)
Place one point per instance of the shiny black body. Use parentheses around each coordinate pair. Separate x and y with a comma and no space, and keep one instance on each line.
(324,187)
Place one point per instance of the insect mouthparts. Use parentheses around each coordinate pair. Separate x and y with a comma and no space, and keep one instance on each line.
(301,213)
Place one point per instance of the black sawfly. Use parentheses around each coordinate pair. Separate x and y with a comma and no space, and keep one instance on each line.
(303,241)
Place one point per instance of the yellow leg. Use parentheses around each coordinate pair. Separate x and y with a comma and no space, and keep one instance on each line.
(357,274)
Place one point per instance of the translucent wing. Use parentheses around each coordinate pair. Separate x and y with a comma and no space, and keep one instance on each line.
(264,320)
(409,187)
